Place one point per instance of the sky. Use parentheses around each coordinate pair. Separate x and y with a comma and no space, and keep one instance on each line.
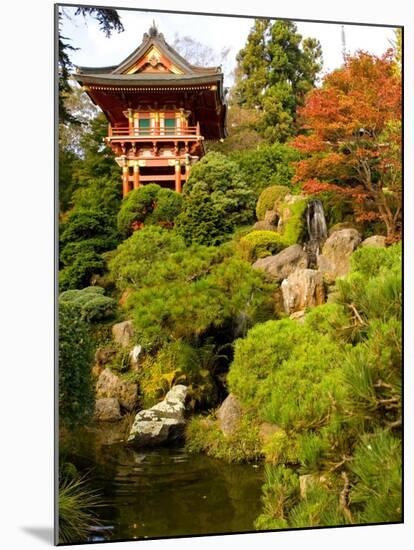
(96,50)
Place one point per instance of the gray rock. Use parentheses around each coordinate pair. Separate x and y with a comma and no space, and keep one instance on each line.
(110,385)
(122,333)
(229,414)
(281,265)
(376,241)
(302,289)
(162,423)
(107,409)
(336,252)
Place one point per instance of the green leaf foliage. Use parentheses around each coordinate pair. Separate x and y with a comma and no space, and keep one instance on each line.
(267,165)
(84,236)
(332,388)
(377,465)
(148,205)
(192,290)
(259,244)
(76,395)
(136,256)
(275,70)
(93,305)
(178,363)
(203,221)
(216,200)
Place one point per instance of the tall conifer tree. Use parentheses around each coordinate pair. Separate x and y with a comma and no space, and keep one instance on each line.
(275,70)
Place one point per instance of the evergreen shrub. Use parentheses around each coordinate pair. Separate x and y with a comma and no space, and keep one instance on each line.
(259,244)
(76,395)
(92,303)
(148,205)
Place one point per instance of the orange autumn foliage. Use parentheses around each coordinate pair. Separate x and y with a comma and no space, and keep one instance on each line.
(352,138)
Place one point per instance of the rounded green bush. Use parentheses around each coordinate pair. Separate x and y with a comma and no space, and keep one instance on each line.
(91,301)
(151,205)
(268,197)
(259,244)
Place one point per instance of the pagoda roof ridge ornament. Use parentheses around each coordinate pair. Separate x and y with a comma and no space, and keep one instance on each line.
(153,32)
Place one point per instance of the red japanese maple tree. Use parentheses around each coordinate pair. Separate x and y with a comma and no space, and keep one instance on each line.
(352,137)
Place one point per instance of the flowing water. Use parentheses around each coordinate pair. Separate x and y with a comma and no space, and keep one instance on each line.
(317,230)
(163,492)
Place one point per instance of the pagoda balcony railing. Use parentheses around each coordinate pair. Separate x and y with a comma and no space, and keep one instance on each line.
(125,132)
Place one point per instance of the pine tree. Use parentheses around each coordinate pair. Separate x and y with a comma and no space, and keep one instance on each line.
(275,70)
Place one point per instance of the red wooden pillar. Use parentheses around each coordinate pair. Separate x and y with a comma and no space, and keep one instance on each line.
(177,176)
(136,175)
(125,180)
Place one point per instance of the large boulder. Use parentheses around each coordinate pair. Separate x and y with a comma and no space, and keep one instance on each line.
(281,265)
(122,333)
(336,252)
(376,241)
(162,423)
(110,385)
(229,414)
(107,409)
(302,289)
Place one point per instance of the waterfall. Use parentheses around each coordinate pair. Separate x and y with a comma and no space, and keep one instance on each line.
(317,230)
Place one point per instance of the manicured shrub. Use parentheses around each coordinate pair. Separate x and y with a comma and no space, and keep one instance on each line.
(83,237)
(194,290)
(134,257)
(221,179)
(76,395)
(279,359)
(93,305)
(167,207)
(141,205)
(203,221)
(268,197)
(259,244)
(369,260)
(79,272)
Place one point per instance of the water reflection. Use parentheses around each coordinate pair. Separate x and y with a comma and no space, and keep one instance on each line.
(163,492)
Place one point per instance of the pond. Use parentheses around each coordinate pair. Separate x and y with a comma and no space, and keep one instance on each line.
(163,492)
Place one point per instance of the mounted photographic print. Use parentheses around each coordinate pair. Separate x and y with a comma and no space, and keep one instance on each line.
(229,270)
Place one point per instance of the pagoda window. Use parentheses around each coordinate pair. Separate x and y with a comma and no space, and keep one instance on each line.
(170,124)
(144,125)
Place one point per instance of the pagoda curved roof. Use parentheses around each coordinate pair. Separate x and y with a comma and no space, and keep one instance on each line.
(152,39)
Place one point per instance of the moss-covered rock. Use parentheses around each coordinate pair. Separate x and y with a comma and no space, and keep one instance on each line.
(259,244)
(269,199)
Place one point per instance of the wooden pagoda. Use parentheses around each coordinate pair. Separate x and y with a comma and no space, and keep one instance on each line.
(160,109)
